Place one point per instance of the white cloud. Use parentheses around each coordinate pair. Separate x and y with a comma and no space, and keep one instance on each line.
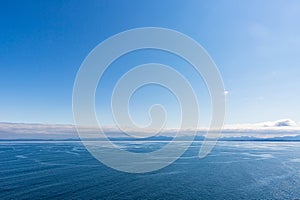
(280,123)
(285,127)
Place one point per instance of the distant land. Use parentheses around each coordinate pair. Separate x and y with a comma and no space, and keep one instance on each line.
(165,138)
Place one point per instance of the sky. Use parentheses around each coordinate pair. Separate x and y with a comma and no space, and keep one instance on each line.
(255,45)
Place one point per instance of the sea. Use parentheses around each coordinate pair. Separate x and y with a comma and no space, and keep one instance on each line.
(233,170)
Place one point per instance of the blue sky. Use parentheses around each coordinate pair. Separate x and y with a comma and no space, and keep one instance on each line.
(255,45)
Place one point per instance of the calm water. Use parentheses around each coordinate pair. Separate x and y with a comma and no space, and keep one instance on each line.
(234,170)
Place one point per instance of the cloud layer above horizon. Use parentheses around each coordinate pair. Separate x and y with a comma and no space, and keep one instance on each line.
(280,128)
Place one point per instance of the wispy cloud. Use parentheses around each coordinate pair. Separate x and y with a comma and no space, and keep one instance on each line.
(280,128)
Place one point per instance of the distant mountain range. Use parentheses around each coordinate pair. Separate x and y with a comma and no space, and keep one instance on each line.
(166,138)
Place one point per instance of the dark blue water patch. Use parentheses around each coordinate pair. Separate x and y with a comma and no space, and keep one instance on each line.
(233,170)
(141,147)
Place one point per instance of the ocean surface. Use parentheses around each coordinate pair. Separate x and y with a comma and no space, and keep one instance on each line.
(233,170)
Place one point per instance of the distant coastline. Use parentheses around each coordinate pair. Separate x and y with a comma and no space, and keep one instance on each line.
(166,139)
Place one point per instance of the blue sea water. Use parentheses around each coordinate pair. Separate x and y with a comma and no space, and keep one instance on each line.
(233,170)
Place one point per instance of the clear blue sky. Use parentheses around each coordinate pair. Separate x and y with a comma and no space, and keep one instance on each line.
(256,45)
